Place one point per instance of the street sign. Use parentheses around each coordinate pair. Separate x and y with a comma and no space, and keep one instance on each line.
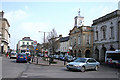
(36,48)
(46,51)
(35,43)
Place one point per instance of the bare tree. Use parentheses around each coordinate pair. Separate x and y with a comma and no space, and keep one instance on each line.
(39,47)
(53,41)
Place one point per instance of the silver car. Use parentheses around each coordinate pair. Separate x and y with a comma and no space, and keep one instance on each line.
(83,64)
(13,55)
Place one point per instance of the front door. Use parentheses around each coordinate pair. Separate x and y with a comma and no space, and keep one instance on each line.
(91,63)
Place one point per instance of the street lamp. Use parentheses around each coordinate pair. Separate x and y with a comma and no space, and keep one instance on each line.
(44,34)
(44,40)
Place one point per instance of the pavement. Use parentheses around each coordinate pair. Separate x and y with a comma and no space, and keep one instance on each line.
(42,61)
(45,62)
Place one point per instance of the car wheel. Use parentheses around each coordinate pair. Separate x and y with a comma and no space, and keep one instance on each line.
(96,68)
(69,69)
(83,69)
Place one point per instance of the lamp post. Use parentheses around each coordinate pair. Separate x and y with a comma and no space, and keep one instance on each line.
(44,34)
(43,40)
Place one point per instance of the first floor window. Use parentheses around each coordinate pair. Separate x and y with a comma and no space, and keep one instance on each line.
(27,43)
(111,32)
(23,43)
(79,41)
(87,39)
(96,35)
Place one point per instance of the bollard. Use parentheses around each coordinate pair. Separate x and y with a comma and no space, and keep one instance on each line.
(32,59)
(50,61)
(37,61)
(64,62)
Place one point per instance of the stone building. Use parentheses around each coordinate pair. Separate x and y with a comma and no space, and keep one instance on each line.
(4,30)
(106,34)
(64,45)
(25,45)
(81,38)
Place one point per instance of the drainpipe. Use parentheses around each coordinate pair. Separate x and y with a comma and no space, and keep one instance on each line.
(118,34)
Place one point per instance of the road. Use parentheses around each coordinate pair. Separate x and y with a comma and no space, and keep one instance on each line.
(11,69)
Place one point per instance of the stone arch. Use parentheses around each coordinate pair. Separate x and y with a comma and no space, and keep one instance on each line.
(103,51)
(87,53)
(111,48)
(79,53)
(75,52)
(71,52)
(97,54)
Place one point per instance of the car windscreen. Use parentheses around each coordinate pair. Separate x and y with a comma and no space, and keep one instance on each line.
(13,53)
(21,54)
(70,56)
(27,54)
(80,60)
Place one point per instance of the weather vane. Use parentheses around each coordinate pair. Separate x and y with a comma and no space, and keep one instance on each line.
(79,12)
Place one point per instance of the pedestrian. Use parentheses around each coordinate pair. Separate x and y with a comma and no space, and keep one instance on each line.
(50,60)
(7,54)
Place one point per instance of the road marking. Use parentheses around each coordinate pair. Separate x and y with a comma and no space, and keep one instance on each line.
(24,75)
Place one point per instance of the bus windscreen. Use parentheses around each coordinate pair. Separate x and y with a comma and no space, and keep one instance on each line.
(115,56)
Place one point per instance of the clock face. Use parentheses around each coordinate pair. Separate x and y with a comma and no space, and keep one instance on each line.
(80,22)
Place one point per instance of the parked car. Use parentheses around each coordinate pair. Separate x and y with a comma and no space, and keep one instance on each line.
(83,64)
(39,54)
(51,56)
(74,58)
(46,55)
(62,57)
(56,56)
(21,57)
(69,58)
(13,55)
(28,55)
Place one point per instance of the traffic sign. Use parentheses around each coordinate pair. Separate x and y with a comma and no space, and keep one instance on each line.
(35,43)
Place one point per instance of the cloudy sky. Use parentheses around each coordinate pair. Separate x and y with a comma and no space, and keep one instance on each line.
(26,18)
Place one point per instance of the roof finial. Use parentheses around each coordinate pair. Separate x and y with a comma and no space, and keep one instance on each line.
(79,12)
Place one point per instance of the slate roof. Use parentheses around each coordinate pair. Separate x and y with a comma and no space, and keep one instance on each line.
(27,39)
(64,39)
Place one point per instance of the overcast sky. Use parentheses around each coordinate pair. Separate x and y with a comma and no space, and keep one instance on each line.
(27,18)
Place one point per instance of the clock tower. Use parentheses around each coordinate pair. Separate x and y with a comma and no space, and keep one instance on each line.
(79,20)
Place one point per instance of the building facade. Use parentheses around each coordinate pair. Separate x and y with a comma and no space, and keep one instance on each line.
(106,34)
(25,45)
(4,29)
(64,45)
(81,39)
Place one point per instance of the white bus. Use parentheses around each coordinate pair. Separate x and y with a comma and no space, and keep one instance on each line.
(113,57)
